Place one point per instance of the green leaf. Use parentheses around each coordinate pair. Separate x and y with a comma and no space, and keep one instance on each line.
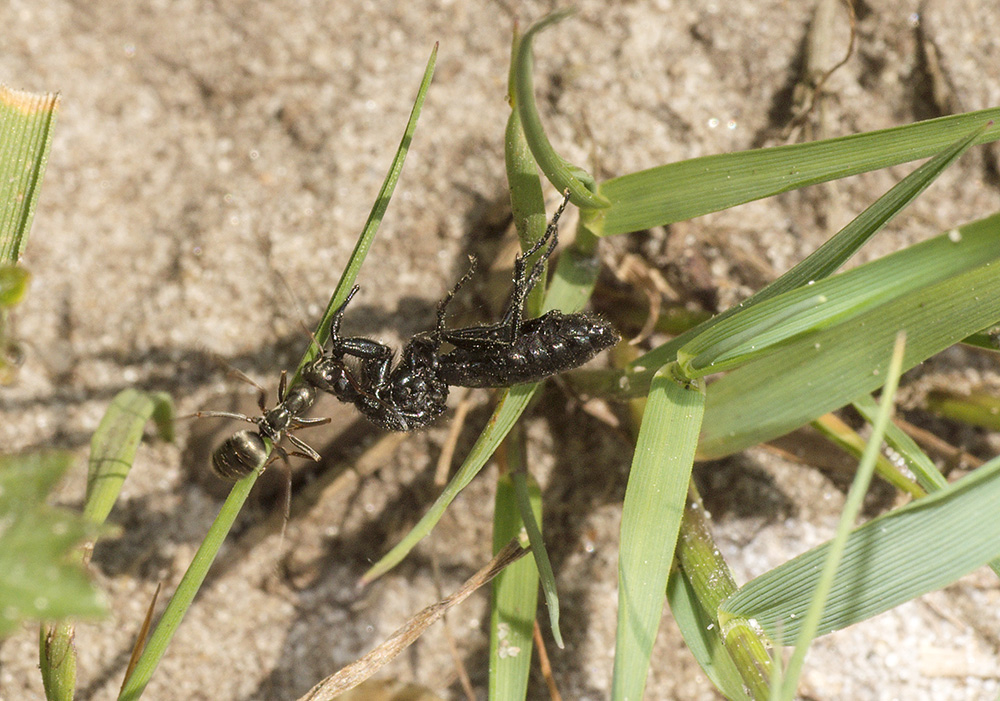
(26,122)
(919,548)
(679,191)
(651,518)
(38,578)
(939,292)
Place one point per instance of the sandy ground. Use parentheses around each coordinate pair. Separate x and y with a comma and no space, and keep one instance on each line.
(206,151)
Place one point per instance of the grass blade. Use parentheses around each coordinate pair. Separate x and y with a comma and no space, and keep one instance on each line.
(515,594)
(942,290)
(561,173)
(651,518)
(679,191)
(849,516)
(919,548)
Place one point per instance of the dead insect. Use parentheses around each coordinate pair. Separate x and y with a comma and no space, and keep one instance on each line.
(412,393)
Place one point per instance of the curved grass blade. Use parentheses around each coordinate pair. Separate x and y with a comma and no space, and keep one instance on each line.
(198,569)
(651,518)
(943,290)
(688,189)
(26,124)
(921,547)
(561,173)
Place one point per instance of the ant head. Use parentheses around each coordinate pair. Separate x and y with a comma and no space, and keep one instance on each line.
(332,375)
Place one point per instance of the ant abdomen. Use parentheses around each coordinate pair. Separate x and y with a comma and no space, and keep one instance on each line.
(239,455)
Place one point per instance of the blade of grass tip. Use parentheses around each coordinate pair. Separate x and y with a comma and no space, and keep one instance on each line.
(514,598)
(511,403)
(852,507)
(195,575)
(561,173)
(691,188)
(651,517)
(114,445)
(26,124)
(350,274)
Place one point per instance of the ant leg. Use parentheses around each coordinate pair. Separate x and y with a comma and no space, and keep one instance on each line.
(224,415)
(443,304)
(338,316)
(282,386)
(307,450)
(298,422)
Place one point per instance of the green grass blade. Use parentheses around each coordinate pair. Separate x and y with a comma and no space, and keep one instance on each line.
(688,189)
(514,596)
(651,518)
(919,548)
(179,603)
(561,173)
(198,569)
(942,290)
(849,516)
(113,446)
(26,123)
(732,337)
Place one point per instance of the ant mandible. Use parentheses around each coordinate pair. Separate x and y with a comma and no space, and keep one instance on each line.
(508,352)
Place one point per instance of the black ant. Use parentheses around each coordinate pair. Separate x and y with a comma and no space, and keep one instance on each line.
(245,451)
(509,352)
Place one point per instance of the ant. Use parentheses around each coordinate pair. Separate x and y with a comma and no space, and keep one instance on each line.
(244,451)
(511,351)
